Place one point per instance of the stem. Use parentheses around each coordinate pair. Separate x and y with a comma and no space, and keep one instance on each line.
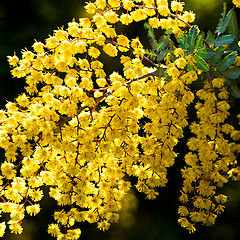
(176,16)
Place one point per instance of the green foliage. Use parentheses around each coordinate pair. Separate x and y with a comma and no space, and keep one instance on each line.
(232,27)
(224,20)
(162,50)
(201,63)
(227,61)
(159,48)
(233,87)
(223,40)
(187,42)
(199,41)
(151,54)
(232,73)
(210,38)
(151,36)
(192,38)
(218,52)
(193,44)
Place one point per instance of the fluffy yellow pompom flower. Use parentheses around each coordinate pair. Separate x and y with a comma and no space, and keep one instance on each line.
(90,8)
(188,16)
(93,52)
(111,17)
(33,209)
(139,15)
(237,3)
(126,19)
(123,42)
(154,22)
(13,61)
(110,49)
(8,170)
(101,4)
(177,6)
(2,228)
(181,63)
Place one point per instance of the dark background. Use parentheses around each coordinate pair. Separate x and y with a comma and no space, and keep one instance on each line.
(23,21)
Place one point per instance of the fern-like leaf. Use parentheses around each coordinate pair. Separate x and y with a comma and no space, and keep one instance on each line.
(162,43)
(233,28)
(150,54)
(151,36)
(224,21)
(223,14)
(210,39)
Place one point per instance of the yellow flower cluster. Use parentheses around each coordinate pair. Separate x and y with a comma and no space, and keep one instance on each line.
(209,158)
(79,130)
(234,172)
(236,2)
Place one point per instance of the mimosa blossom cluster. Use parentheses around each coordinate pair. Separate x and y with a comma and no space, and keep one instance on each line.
(76,128)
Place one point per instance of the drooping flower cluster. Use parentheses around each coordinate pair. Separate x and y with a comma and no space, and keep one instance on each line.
(209,158)
(80,131)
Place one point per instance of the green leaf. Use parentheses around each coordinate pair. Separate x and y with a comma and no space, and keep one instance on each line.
(206,54)
(199,41)
(151,54)
(233,28)
(232,73)
(162,43)
(210,39)
(224,20)
(233,88)
(183,42)
(190,67)
(217,56)
(162,55)
(201,63)
(225,39)
(151,36)
(223,14)
(161,71)
(192,37)
(168,32)
(227,61)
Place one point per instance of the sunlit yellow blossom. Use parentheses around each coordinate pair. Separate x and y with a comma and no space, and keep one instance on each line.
(33,209)
(237,3)
(163,10)
(2,228)
(188,17)
(177,6)
(181,63)
(111,17)
(38,47)
(13,61)
(8,170)
(110,50)
(101,4)
(90,8)
(53,230)
(102,107)
(139,15)
(93,52)
(123,43)
(15,227)
(154,22)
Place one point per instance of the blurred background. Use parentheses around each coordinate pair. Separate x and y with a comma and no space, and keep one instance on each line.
(23,21)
